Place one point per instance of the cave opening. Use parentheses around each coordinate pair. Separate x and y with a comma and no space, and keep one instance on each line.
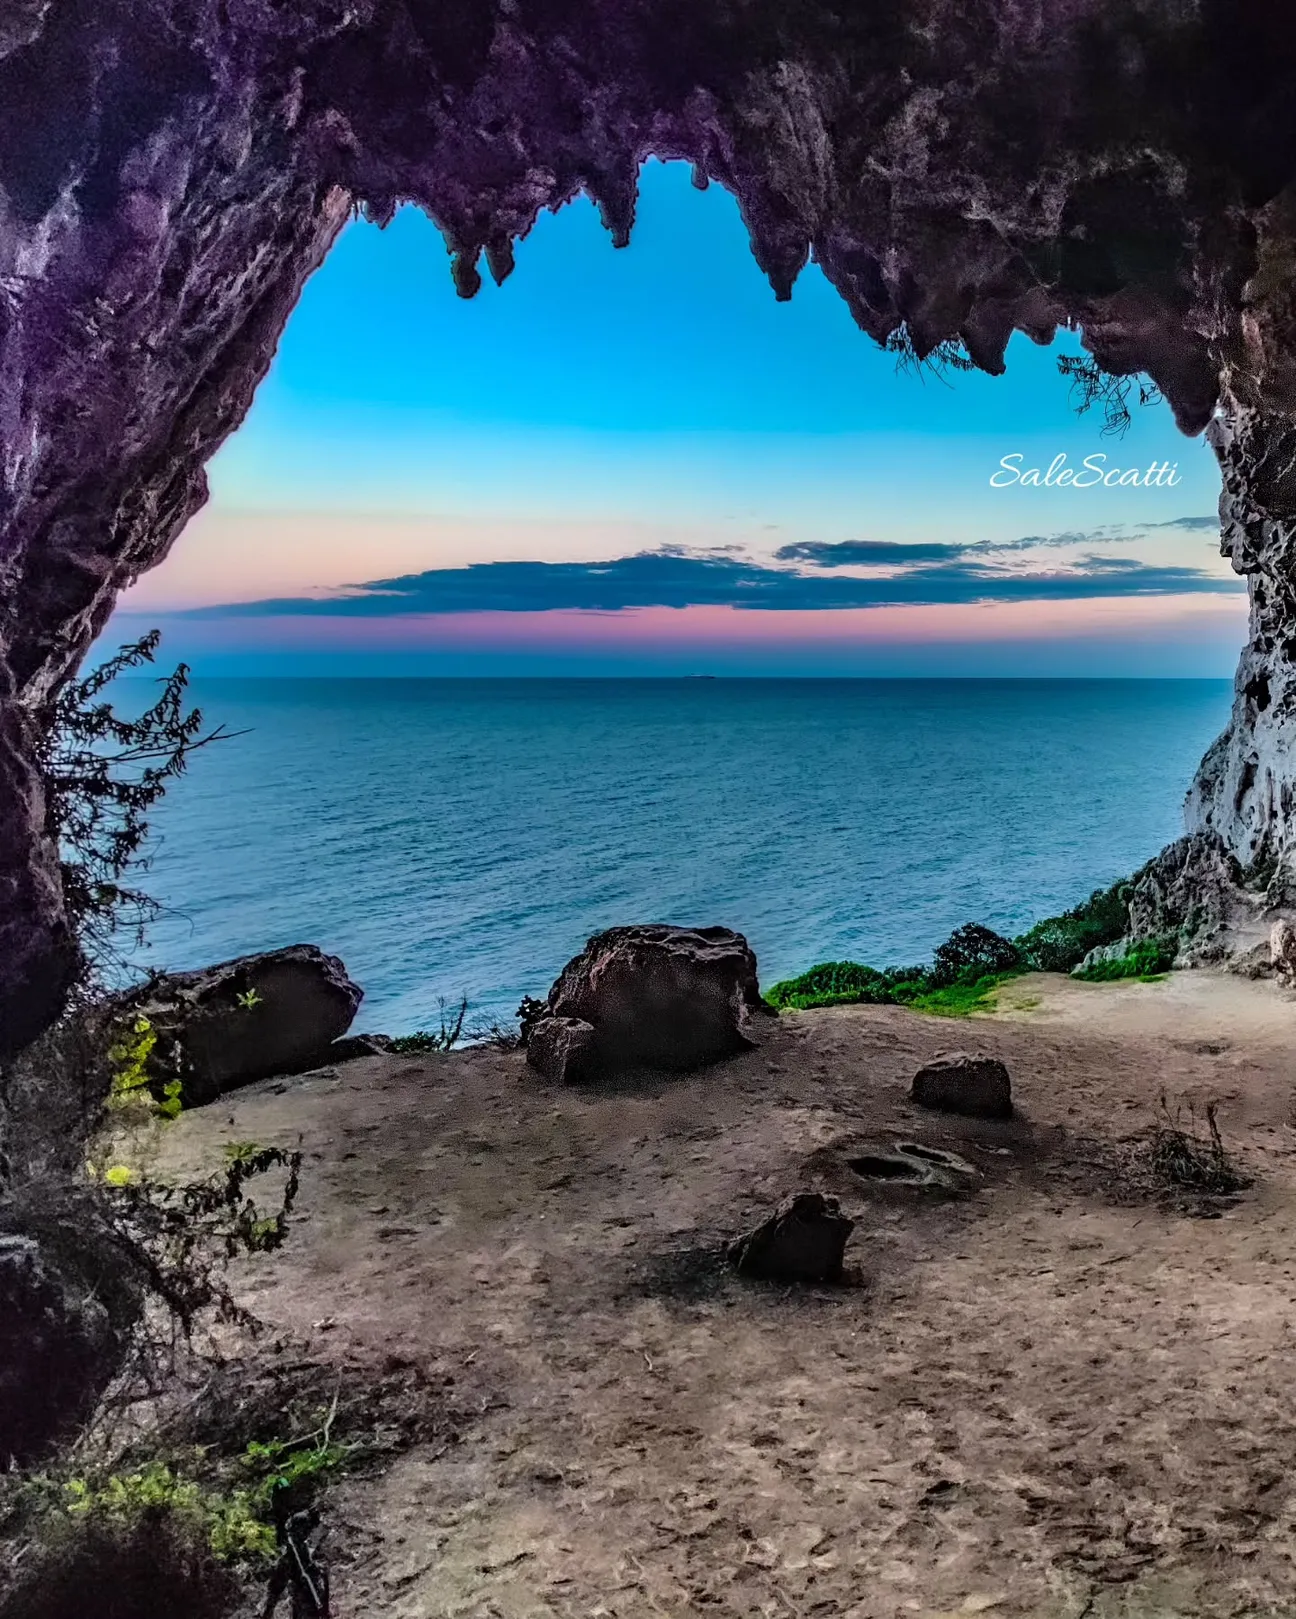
(163,215)
(790,438)
(961,183)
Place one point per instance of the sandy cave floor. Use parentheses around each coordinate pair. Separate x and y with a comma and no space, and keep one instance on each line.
(1056,1396)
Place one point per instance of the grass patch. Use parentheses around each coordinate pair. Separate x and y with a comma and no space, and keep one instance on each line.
(1148,962)
(963,998)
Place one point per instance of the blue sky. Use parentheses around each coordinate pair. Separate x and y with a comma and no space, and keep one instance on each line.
(605,404)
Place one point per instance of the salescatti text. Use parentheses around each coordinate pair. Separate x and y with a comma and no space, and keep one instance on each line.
(1093,472)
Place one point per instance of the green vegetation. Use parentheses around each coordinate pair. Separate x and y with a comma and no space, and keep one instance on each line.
(224,1504)
(1147,961)
(134,1080)
(845,983)
(227,1522)
(103,774)
(1059,943)
(443,1039)
(974,961)
(841,983)
(963,998)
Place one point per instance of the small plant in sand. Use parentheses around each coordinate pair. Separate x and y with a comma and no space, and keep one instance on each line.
(1190,1153)
(445,1038)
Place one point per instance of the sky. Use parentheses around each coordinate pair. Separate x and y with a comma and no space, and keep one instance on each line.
(636,461)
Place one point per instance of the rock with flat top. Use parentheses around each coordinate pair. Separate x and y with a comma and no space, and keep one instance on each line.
(976,1086)
(353,1046)
(656,997)
(802,1241)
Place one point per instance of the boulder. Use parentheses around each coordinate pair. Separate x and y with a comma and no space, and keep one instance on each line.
(655,997)
(563,1048)
(802,1241)
(58,1351)
(977,1086)
(1282,950)
(244,1020)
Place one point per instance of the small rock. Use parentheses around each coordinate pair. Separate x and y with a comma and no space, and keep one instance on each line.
(802,1241)
(563,1049)
(978,1086)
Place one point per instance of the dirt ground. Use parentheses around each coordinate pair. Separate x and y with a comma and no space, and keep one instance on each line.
(1057,1395)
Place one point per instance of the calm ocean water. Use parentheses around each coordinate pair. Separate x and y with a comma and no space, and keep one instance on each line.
(448,836)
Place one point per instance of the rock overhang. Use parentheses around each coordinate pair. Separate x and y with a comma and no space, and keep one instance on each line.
(171,172)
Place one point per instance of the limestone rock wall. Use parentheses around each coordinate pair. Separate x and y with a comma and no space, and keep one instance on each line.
(1245,791)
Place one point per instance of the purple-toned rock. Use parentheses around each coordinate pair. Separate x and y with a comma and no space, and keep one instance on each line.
(58,1350)
(657,997)
(243,1020)
(563,1048)
(978,1086)
(802,1241)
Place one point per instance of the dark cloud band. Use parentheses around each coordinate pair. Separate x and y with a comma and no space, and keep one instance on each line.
(675,579)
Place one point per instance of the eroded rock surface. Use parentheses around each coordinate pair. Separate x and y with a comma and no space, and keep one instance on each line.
(246,1019)
(564,1049)
(976,1086)
(649,996)
(802,1241)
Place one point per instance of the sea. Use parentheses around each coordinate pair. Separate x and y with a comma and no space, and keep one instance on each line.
(452,838)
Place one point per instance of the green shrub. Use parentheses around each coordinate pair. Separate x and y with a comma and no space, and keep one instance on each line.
(960,999)
(972,952)
(1059,943)
(966,971)
(842,983)
(1148,959)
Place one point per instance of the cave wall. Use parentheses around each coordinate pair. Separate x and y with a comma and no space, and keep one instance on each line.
(172,170)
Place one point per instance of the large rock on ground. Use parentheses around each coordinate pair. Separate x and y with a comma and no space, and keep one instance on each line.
(976,1086)
(244,1020)
(652,996)
(802,1241)
(58,1351)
